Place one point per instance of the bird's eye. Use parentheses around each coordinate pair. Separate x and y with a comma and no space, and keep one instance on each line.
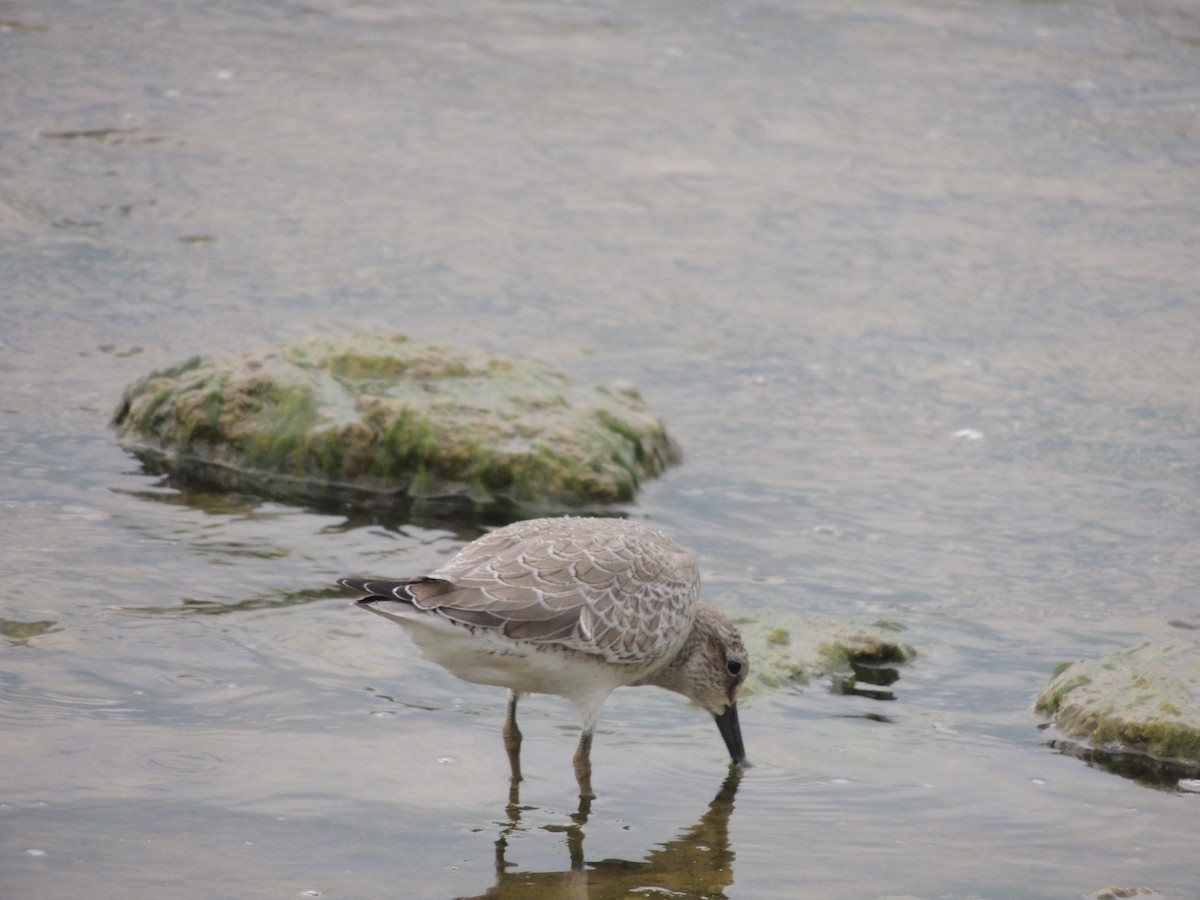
(733,667)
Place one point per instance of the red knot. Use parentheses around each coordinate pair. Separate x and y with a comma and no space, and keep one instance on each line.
(574,607)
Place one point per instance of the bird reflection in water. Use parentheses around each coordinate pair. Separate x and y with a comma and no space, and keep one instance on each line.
(698,863)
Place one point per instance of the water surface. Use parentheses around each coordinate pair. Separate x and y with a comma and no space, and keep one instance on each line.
(914,284)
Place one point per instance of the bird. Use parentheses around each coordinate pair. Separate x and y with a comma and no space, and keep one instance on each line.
(573,606)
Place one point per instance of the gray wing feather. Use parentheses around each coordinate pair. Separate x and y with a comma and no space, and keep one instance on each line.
(608,587)
(604,586)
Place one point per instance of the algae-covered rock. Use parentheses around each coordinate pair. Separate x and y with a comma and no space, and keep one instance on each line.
(791,648)
(1123,893)
(21,632)
(1145,699)
(383,420)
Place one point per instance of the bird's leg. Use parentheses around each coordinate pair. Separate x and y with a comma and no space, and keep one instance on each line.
(583,765)
(512,737)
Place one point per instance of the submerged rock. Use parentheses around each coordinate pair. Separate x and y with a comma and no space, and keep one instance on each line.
(18,632)
(1144,700)
(792,648)
(1123,893)
(386,420)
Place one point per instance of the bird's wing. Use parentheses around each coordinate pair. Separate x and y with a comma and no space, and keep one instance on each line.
(618,592)
(627,596)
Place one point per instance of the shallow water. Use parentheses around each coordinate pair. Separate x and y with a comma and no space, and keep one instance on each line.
(914,284)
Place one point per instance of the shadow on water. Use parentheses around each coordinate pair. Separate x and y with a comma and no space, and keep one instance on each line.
(866,679)
(272,600)
(1148,771)
(227,491)
(698,863)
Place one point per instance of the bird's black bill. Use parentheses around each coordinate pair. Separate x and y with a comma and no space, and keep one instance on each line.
(731,731)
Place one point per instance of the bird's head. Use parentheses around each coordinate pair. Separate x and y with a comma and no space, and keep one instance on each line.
(709,670)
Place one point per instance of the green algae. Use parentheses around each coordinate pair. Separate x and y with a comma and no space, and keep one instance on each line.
(1145,699)
(864,648)
(793,649)
(372,419)
(17,632)
(777,637)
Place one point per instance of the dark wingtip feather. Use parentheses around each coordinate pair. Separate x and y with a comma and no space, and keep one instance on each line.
(377,590)
(361,586)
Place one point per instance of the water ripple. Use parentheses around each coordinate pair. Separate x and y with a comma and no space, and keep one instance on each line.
(184,761)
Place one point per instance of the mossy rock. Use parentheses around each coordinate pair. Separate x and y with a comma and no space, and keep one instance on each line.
(21,632)
(1145,699)
(386,420)
(793,649)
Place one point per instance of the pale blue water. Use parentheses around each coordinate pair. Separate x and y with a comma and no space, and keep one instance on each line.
(914,284)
